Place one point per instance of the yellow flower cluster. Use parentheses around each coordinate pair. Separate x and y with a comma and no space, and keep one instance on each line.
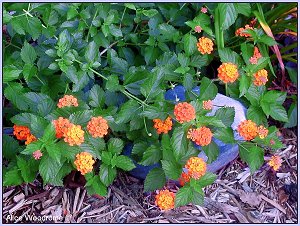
(84,162)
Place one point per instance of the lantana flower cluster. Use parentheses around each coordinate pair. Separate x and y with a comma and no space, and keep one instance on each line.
(23,133)
(249,130)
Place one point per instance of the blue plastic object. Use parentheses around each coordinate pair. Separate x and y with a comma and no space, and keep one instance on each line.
(228,152)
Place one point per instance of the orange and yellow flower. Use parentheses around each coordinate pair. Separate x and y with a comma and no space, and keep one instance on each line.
(165,200)
(228,72)
(262,132)
(256,56)
(163,126)
(241,31)
(205,45)
(207,104)
(61,125)
(97,127)
(260,77)
(67,101)
(30,138)
(184,112)
(196,167)
(201,136)
(84,162)
(74,135)
(21,132)
(275,162)
(247,129)
(37,154)
(184,178)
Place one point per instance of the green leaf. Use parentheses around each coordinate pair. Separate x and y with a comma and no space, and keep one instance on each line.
(208,89)
(81,117)
(95,186)
(14,93)
(112,84)
(151,54)
(155,179)
(209,121)
(127,111)
(150,12)
(184,196)
(96,96)
(54,152)
(254,94)
(167,148)
(292,116)
(125,163)
(12,177)
(10,73)
(106,157)
(28,54)
(32,147)
(91,52)
(271,141)
(292,74)
(247,51)
(225,135)
(28,168)
(278,112)
(256,114)
(228,14)
(49,168)
(274,96)
(152,85)
(33,26)
(107,174)
(245,82)
(10,147)
(226,114)
(267,40)
(130,6)
(115,145)
(243,8)
(211,151)
(115,31)
(179,142)
(152,112)
(151,156)
(64,42)
(207,179)
(252,155)
(227,55)
(49,133)
(171,169)
(189,44)
(139,148)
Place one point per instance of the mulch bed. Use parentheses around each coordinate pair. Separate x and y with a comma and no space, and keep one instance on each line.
(236,197)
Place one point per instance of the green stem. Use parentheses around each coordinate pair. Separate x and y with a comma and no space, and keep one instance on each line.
(87,37)
(122,18)
(226,89)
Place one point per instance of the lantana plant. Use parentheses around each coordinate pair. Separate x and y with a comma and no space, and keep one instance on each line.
(84,80)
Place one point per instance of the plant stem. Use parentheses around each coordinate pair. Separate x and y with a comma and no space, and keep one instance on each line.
(87,37)
(226,89)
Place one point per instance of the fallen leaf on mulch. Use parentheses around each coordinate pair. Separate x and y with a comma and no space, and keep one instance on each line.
(282,196)
(250,198)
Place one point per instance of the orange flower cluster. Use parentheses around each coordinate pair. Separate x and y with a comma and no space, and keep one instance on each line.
(67,101)
(184,112)
(97,127)
(256,56)
(262,132)
(205,45)
(207,105)
(163,126)
(196,167)
(198,29)
(61,125)
(84,162)
(228,72)
(23,133)
(275,162)
(247,129)
(37,154)
(201,136)
(260,77)
(240,31)
(165,200)
(74,135)
(184,178)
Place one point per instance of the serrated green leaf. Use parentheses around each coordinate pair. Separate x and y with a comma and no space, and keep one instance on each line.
(54,152)
(10,147)
(256,114)
(127,111)
(227,55)
(225,135)
(184,196)
(279,113)
(28,54)
(190,44)
(171,169)
(124,163)
(49,168)
(243,8)
(228,14)
(207,179)
(139,148)
(252,155)
(112,83)
(96,96)
(211,151)
(28,168)
(107,174)
(151,156)
(208,89)
(10,73)
(155,179)
(13,177)
(226,114)
(292,117)
(244,84)
(179,143)
(81,117)
(91,52)
(115,145)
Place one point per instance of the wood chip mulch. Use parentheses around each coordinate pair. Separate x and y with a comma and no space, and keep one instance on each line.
(236,197)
